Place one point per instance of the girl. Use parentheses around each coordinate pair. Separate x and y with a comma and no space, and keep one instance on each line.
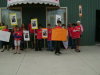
(17,40)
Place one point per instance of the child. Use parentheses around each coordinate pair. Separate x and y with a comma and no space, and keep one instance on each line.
(50,47)
(76,34)
(70,41)
(17,40)
(38,46)
(5,44)
(22,46)
(58,43)
(31,35)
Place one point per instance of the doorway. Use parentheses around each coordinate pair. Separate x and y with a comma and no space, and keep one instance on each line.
(97,38)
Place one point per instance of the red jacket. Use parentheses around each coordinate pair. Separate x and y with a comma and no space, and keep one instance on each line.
(39,34)
(76,32)
(17,35)
(70,31)
(49,34)
(30,28)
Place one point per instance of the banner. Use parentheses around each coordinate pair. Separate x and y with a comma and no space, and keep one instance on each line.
(13,19)
(44,33)
(59,34)
(4,36)
(26,35)
(58,18)
(34,23)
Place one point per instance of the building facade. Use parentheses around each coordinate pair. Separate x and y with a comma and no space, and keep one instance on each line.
(69,10)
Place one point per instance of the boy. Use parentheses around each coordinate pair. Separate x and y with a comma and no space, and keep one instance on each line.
(58,43)
(76,34)
(50,47)
(38,39)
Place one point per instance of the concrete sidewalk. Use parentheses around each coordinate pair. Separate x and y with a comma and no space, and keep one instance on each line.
(87,62)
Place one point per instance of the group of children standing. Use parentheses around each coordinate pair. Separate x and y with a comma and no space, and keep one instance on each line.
(74,34)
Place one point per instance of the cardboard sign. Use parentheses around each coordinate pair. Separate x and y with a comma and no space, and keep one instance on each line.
(34,23)
(13,19)
(59,34)
(5,36)
(26,35)
(44,33)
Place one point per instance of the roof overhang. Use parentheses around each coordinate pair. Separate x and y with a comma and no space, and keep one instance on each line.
(19,2)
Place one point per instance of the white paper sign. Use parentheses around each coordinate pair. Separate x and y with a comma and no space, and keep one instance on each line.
(44,33)
(58,18)
(5,36)
(26,35)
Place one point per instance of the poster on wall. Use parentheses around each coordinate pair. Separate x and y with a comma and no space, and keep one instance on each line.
(34,23)
(5,36)
(80,11)
(26,35)
(13,19)
(44,33)
(58,18)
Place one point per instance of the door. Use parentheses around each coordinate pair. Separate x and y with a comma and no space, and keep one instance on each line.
(97,26)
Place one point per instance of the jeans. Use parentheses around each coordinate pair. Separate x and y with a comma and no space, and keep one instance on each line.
(50,47)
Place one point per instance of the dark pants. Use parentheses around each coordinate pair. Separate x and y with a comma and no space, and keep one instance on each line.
(23,45)
(5,44)
(70,42)
(57,48)
(76,42)
(32,40)
(38,45)
(0,44)
(50,47)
